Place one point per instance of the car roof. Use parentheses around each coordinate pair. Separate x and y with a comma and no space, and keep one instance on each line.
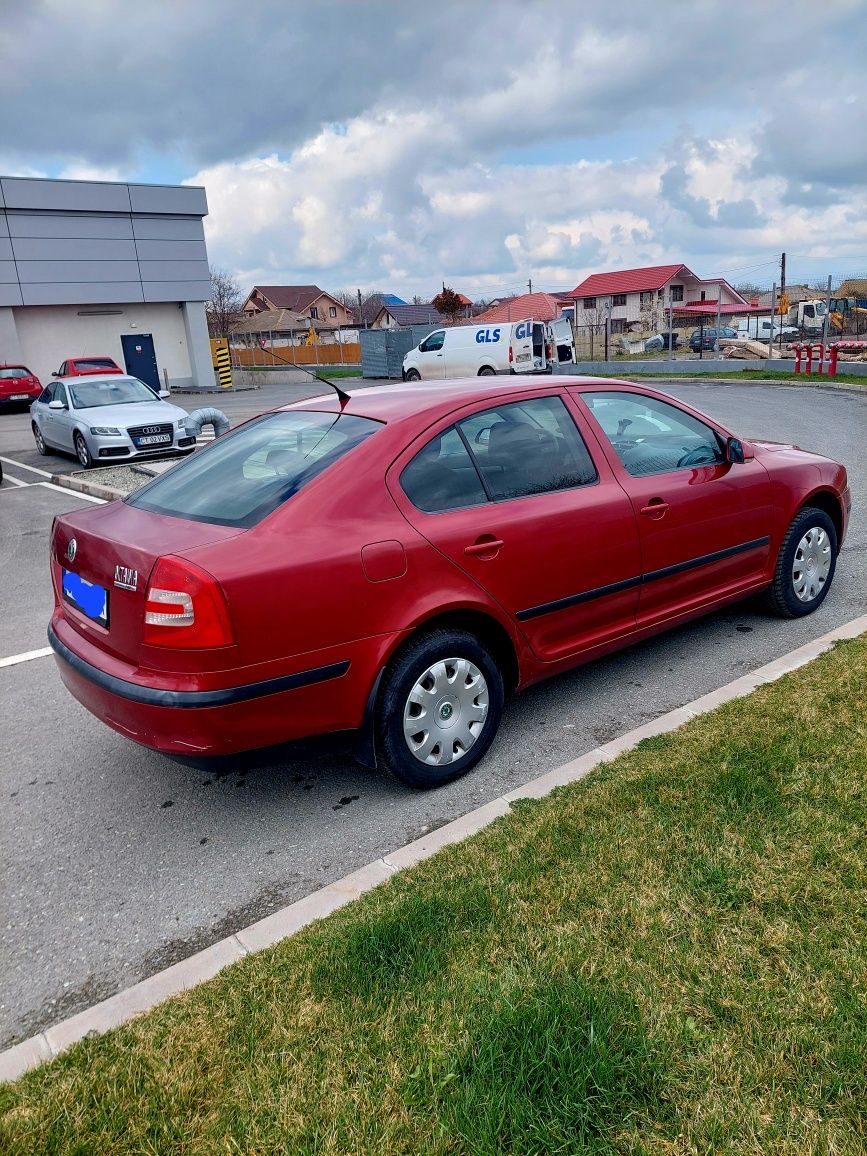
(113,378)
(408,399)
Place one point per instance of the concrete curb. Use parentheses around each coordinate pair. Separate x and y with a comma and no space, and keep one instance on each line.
(93,489)
(139,998)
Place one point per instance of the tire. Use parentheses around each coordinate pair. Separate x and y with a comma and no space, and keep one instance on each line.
(460,677)
(413,375)
(41,444)
(486,371)
(805,565)
(81,451)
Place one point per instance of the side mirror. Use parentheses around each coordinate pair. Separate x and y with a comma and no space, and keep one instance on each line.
(56,404)
(55,373)
(737,452)
(163,393)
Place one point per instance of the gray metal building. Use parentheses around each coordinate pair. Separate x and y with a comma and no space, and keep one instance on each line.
(98,268)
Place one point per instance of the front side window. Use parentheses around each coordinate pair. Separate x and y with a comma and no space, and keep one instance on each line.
(433,342)
(249,472)
(110,391)
(651,436)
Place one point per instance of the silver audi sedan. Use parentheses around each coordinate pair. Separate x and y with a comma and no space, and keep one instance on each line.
(107,418)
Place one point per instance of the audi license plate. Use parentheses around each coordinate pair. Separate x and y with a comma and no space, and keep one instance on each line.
(154,440)
(86,597)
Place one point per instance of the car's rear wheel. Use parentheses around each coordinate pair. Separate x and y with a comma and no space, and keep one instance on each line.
(805,565)
(439,708)
(82,452)
(413,375)
(41,447)
(486,371)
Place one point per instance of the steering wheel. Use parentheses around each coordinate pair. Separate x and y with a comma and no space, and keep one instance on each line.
(697,456)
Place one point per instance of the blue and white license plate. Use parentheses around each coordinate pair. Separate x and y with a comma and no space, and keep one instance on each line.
(90,599)
(154,440)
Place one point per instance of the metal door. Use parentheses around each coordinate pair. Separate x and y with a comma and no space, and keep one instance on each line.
(140,359)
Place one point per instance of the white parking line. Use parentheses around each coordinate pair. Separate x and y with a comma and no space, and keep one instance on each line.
(21,466)
(26,656)
(73,493)
(15,481)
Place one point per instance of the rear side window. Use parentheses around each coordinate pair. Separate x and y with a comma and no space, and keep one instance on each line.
(247,474)
(442,476)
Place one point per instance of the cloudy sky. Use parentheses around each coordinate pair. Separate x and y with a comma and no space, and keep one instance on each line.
(395,146)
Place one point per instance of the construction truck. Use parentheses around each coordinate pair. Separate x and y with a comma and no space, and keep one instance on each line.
(848,315)
(808,317)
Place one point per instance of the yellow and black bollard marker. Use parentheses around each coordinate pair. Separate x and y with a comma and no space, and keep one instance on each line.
(223,366)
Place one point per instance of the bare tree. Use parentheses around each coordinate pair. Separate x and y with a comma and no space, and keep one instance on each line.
(224,309)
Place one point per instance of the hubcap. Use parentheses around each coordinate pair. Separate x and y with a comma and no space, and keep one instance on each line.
(82,451)
(445,711)
(812,564)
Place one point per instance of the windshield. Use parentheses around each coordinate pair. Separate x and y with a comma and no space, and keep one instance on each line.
(246,474)
(117,391)
(94,363)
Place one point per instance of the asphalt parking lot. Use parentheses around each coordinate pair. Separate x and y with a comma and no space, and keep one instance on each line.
(116,861)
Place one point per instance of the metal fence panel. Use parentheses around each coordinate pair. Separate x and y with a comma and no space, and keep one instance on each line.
(383,350)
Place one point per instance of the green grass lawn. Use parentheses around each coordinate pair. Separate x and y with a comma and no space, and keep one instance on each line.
(667,957)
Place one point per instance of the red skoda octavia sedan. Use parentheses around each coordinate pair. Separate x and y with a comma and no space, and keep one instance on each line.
(397,563)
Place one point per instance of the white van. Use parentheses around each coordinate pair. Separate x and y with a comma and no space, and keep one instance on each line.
(476,350)
(762,328)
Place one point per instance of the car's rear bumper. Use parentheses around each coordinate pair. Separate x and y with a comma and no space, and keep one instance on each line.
(325,693)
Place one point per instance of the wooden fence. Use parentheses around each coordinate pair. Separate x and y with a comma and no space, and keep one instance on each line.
(347,353)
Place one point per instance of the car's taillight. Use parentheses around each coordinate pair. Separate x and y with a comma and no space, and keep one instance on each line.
(185,607)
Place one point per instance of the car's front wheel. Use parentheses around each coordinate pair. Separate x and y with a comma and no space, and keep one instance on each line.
(41,446)
(805,565)
(82,452)
(413,375)
(439,709)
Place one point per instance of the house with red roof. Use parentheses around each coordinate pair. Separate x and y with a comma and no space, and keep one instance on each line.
(538,306)
(640,299)
(309,300)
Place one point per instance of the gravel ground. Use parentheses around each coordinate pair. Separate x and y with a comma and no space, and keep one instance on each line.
(125,478)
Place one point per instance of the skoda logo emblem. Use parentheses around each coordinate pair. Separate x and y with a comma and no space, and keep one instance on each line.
(71,549)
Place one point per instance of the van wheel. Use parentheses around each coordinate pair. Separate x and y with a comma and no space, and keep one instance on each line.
(413,375)
(439,708)
(486,371)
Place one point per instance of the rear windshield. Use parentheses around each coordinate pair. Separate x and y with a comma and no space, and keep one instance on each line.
(245,475)
(15,371)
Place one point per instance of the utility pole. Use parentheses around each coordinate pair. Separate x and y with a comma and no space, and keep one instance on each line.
(530,285)
(360,316)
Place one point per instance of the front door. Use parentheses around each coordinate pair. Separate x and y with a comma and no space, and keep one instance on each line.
(704,523)
(140,359)
(431,359)
(512,497)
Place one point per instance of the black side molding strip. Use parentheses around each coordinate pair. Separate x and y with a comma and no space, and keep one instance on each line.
(639,580)
(192,699)
(704,559)
(575,599)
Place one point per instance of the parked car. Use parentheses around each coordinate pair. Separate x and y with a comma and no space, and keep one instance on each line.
(84,366)
(18,386)
(107,418)
(397,562)
(661,341)
(707,338)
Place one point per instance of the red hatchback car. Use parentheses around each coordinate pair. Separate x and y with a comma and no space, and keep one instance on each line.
(84,366)
(18,386)
(396,563)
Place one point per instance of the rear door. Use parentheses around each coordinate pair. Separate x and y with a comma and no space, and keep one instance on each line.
(522,347)
(563,339)
(510,494)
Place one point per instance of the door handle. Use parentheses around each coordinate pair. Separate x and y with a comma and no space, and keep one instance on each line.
(483,546)
(655,508)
